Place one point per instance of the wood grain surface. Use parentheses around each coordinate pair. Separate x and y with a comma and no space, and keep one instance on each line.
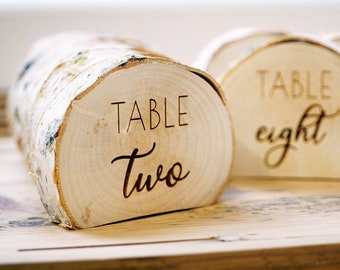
(257,224)
(112,131)
(286,113)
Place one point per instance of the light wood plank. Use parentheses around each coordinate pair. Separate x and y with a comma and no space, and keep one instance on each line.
(258,223)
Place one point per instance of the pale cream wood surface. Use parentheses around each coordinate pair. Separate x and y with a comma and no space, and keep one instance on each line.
(286,112)
(257,224)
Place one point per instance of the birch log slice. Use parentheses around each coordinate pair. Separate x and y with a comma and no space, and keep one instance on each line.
(284,100)
(112,131)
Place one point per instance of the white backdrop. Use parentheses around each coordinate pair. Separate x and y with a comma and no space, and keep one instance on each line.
(177,28)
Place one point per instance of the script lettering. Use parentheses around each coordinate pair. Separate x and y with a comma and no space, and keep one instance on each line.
(308,129)
(171,178)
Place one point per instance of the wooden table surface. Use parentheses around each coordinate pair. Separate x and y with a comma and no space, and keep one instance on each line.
(257,224)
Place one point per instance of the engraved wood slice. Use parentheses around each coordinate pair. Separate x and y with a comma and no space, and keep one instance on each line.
(284,100)
(112,131)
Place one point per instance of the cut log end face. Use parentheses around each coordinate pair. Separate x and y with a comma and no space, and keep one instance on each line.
(284,101)
(148,138)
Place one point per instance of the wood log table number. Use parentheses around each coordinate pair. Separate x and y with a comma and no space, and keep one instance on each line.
(284,99)
(112,131)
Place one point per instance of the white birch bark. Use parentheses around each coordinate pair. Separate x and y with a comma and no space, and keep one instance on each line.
(226,50)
